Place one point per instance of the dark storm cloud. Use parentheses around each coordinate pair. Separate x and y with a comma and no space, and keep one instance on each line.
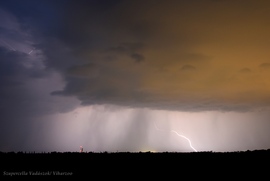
(24,99)
(86,70)
(245,70)
(165,37)
(130,49)
(13,66)
(188,68)
(161,38)
(11,62)
(16,90)
(137,57)
(25,83)
(126,47)
(265,65)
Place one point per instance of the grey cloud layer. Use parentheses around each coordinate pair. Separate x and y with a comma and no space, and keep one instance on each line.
(160,55)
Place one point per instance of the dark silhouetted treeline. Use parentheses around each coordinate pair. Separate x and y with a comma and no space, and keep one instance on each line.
(134,163)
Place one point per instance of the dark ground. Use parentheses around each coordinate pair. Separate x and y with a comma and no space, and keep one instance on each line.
(136,165)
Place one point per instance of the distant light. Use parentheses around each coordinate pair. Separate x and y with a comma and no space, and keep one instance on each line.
(81,149)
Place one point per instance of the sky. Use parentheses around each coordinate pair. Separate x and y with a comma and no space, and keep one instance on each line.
(136,75)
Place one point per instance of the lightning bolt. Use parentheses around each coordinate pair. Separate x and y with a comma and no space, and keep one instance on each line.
(31,51)
(182,136)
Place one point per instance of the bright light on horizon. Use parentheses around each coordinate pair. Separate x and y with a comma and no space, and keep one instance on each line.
(119,129)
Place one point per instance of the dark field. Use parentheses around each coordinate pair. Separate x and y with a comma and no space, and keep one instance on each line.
(134,164)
